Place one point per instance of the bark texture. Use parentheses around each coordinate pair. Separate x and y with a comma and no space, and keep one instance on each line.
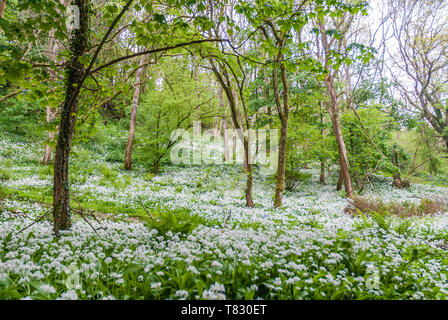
(283,111)
(74,74)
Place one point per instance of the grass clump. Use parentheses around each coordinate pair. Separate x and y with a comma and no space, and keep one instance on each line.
(5,174)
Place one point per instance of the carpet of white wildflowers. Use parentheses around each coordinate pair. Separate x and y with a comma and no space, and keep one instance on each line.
(309,249)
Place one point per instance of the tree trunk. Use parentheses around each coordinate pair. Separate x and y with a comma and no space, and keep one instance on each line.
(218,122)
(226,138)
(51,115)
(333,110)
(249,171)
(53,49)
(2,10)
(343,159)
(284,116)
(397,181)
(156,166)
(135,101)
(280,187)
(197,129)
(249,184)
(322,172)
(237,125)
(74,74)
(233,139)
(340,181)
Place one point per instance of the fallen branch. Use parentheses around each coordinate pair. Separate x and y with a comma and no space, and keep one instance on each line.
(227,218)
(141,203)
(36,221)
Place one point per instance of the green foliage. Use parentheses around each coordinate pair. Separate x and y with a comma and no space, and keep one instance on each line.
(23,118)
(180,221)
(171,103)
(5,174)
(368,142)
(108,173)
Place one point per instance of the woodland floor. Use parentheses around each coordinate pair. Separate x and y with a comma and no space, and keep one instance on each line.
(186,234)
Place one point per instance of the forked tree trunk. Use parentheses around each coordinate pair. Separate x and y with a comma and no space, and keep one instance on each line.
(135,101)
(226,85)
(333,110)
(343,159)
(74,74)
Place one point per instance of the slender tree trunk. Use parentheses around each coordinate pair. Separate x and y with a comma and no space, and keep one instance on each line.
(51,115)
(343,159)
(237,125)
(135,101)
(53,49)
(218,122)
(284,116)
(280,187)
(224,124)
(226,138)
(197,129)
(74,74)
(397,181)
(340,181)
(155,169)
(232,122)
(249,184)
(322,172)
(333,110)
(322,160)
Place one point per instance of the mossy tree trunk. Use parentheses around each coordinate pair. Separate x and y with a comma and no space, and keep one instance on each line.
(74,73)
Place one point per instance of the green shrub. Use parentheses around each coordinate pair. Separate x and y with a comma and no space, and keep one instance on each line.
(405,227)
(108,173)
(45,171)
(148,177)
(5,174)
(180,221)
(293,178)
(77,178)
